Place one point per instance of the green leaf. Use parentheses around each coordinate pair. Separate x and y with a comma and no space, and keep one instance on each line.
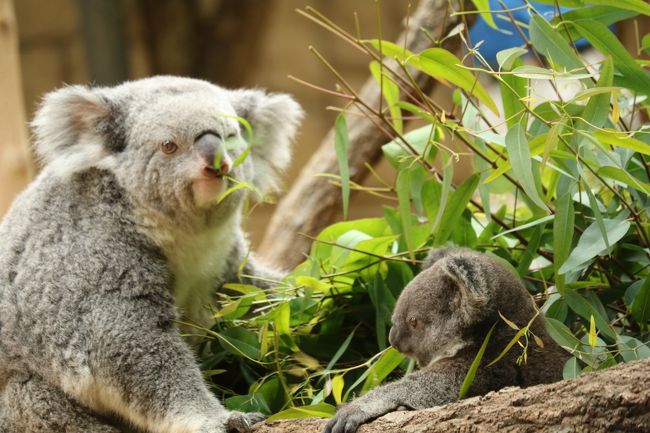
(603,14)
(519,153)
(240,341)
(454,209)
(539,73)
(607,43)
(484,7)
(563,229)
(640,307)
(645,43)
(592,244)
(390,91)
(597,109)
(412,108)
(320,410)
(562,335)
(506,58)
(248,403)
(399,156)
(548,41)
(537,145)
(341,140)
(404,196)
(618,139)
(580,305)
(441,65)
(624,177)
(632,349)
(533,223)
(471,373)
(513,90)
(571,369)
(388,362)
(592,331)
(640,6)
(337,388)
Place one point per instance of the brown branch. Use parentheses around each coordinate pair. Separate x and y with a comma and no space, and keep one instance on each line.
(313,202)
(612,400)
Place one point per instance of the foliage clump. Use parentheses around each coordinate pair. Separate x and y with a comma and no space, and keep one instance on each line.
(560,193)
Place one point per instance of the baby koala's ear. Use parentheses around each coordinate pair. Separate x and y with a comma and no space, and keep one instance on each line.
(274,118)
(469,278)
(68,116)
(435,254)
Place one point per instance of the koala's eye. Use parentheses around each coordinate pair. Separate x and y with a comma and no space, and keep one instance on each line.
(168,147)
(413,322)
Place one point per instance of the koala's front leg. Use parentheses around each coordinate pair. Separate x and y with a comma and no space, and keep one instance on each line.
(140,369)
(419,390)
(31,405)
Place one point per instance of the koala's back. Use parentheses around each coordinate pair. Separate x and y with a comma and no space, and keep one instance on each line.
(70,255)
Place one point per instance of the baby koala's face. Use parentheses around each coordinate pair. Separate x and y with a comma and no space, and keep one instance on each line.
(426,323)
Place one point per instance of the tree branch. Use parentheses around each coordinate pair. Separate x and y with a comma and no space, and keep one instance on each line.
(612,400)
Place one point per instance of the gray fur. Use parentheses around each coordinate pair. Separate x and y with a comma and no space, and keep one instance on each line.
(113,242)
(455,300)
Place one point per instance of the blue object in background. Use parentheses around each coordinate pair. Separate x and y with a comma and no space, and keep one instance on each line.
(507,35)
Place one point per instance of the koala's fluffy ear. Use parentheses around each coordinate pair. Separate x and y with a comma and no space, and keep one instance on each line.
(470,279)
(274,118)
(70,123)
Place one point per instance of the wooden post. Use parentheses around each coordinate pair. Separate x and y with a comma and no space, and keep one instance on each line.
(15,156)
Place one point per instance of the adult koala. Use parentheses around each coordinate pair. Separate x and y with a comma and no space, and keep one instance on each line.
(441,320)
(121,230)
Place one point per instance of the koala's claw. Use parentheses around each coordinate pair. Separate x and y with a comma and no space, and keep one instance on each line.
(347,420)
(240,422)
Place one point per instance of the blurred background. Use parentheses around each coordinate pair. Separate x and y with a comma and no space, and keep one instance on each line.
(234,43)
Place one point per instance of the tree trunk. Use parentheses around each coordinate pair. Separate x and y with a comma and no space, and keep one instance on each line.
(608,401)
(217,40)
(312,203)
(15,158)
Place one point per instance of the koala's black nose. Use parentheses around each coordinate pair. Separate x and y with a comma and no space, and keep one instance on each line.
(207,145)
(210,146)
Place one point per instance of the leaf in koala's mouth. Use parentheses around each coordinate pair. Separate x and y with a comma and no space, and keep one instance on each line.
(237,185)
(237,142)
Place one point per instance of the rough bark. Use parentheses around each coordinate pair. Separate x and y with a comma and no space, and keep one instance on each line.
(608,401)
(313,202)
(15,158)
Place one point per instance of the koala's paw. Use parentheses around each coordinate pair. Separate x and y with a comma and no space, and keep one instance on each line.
(240,422)
(347,419)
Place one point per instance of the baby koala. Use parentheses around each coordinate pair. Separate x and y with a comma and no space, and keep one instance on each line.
(441,320)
